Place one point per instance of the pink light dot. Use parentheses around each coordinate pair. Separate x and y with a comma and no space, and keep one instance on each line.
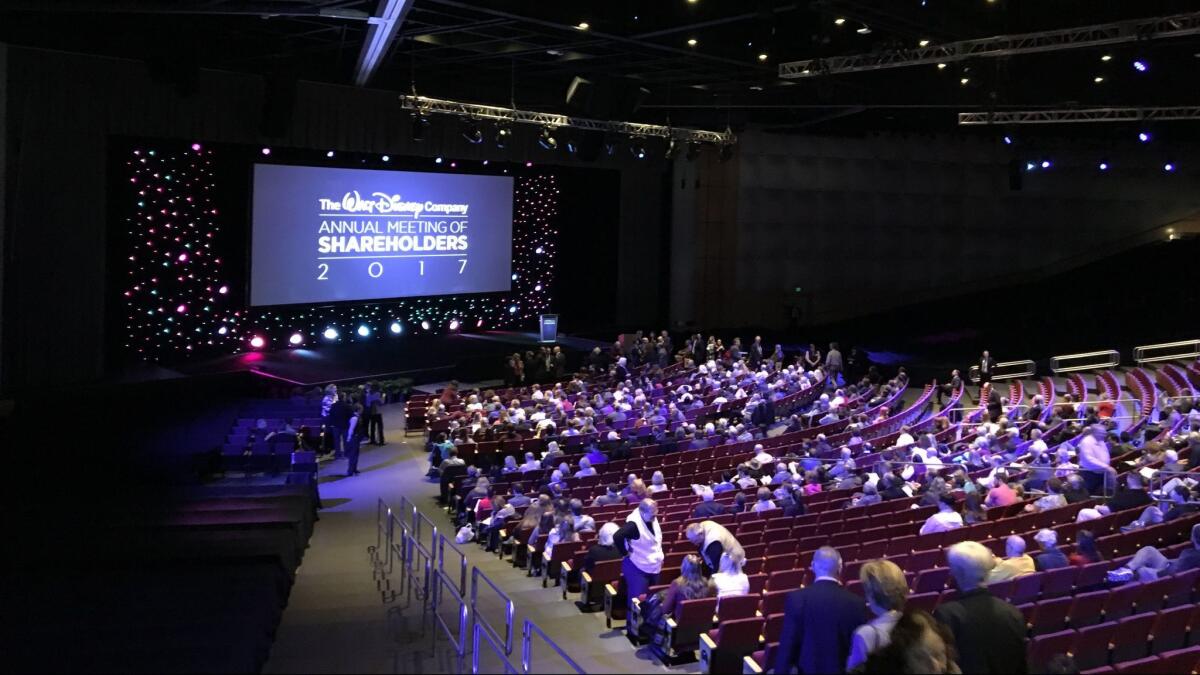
(182,257)
(196,147)
(223,290)
(182,309)
(257,342)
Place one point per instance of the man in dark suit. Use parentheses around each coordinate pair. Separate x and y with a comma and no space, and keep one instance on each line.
(988,632)
(819,621)
(986,365)
(756,352)
(707,508)
(995,404)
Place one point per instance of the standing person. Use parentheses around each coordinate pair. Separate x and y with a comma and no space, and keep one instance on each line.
(374,411)
(986,367)
(756,352)
(886,591)
(833,364)
(819,621)
(640,540)
(712,541)
(812,357)
(560,363)
(995,406)
(948,388)
(339,420)
(354,431)
(988,632)
(1095,461)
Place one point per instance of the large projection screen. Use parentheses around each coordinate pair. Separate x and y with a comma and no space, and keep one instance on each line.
(323,234)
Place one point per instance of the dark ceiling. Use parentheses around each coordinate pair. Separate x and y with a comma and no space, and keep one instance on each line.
(528,51)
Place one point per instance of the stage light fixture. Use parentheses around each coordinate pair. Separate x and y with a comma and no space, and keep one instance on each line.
(693,151)
(396,328)
(1144,136)
(941,66)
(424,325)
(296,339)
(1106,57)
(763,56)
(572,145)
(1141,66)
(363,330)
(453,324)
(472,132)
(1103,165)
(257,342)
(610,144)
(692,42)
(1046,164)
(1007,139)
(329,154)
(420,125)
(864,30)
(196,147)
(839,21)
(1169,167)
(1030,166)
(638,148)
(222,330)
(546,140)
(503,134)
(330,333)
(266,151)
(583,25)
(437,160)
(965,81)
(386,158)
(923,43)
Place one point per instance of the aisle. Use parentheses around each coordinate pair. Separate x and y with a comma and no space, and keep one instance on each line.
(335,620)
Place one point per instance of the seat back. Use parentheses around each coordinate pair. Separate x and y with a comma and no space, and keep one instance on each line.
(734,607)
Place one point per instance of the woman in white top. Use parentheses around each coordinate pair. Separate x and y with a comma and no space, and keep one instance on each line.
(730,579)
(886,591)
(764,503)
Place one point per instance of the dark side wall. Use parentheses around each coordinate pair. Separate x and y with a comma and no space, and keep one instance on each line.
(61,111)
(860,225)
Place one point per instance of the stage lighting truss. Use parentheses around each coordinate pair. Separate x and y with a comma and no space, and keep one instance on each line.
(1179,25)
(1070,115)
(555,121)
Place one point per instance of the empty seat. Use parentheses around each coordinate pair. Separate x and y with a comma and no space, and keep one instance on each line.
(682,637)
(734,607)
(925,601)
(1059,582)
(1171,627)
(1132,639)
(785,580)
(1181,660)
(774,602)
(1050,616)
(1150,664)
(1086,608)
(1026,589)
(1121,601)
(1092,644)
(722,650)
(930,580)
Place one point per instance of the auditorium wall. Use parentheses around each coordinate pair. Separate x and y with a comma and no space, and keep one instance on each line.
(62,110)
(860,225)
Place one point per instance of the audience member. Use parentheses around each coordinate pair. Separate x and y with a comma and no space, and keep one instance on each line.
(819,620)
(1016,562)
(945,519)
(640,540)
(918,644)
(729,578)
(691,584)
(1149,563)
(886,591)
(989,633)
(1085,549)
(712,540)
(1051,557)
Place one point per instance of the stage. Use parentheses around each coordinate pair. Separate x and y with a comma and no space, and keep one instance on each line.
(421,358)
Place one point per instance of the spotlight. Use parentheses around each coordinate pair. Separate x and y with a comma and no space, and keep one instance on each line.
(1169,167)
(1098,79)
(762,57)
(223,290)
(329,154)
(473,133)
(1141,66)
(692,42)
(1103,165)
(437,160)
(693,151)
(257,342)
(572,145)
(1106,57)
(424,325)
(941,66)
(839,21)
(453,324)
(512,309)
(610,145)
(386,158)
(1007,139)
(1046,164)
(363,330)
(865,30)
(638,148)
(527,165)
(266,151)
(330,333)
(1144,136)
(583,25)
(296,339)
(1030,166)
(726,152)
(222,330)
(396,328)
(547,139)
(964,81)
(923,43)
(503,134)
(196,147)
(420,125)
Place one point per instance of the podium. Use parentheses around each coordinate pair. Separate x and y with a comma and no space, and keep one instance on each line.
(548,325)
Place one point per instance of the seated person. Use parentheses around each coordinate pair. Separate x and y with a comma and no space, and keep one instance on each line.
(1052,499)
(1149,563)
(1051,557)
(1085,549)
(585,468)
(603,549)
(609,498)
(580,520)
(690,585)
(946,519)
(489,528)
(708,507)
(1016,562)
(1132,496)
(564,532)
(658,483)
(510,465)
(729,578)
(764,501)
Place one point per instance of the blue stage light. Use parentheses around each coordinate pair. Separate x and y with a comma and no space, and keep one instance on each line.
(1007,140)
(1168,167)
(330,334)
(1141,66)
(363,330)
(1103,166)
(296,338)
(1046,164)
(396,328)
(1144,136)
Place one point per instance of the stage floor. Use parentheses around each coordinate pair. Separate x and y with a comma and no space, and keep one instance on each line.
(423,358)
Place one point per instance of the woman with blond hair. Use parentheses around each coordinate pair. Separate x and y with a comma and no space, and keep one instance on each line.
(886,591)
(729,578)
(637,491)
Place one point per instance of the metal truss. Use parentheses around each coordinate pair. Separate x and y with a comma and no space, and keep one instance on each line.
(487,112)
(1179,25)
(1067,116)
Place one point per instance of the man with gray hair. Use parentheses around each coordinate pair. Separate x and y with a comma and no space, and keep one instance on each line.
(640,540)
(1016,562)
(819,620)
(988,632)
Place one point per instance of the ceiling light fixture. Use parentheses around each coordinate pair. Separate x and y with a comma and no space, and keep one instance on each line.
(923,43)
(864,30)
(691,42)
(547,139)
(583,25)
(839,21)
(762,57)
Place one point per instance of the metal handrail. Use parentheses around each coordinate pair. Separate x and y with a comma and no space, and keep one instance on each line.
(383,533)
(423,593)
(527,648)
(442,583)
(443,542)
(419,518)
(1139,353)
(398,546)
(1113,360)
(509,609)
(491,641)
(1030,369)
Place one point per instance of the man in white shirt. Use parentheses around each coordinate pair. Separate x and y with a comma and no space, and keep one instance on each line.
(905,438)
(945,519)
(1095,462)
